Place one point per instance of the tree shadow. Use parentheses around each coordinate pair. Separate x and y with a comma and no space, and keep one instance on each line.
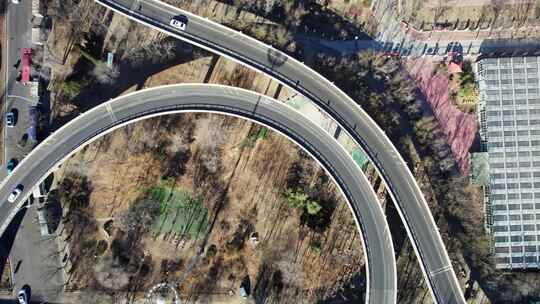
(53,211)
(44,105)
(213,64)
(508,47)
(352,291)
(316,19)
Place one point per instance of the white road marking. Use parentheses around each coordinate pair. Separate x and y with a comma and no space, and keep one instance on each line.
(111,112)
(440,270)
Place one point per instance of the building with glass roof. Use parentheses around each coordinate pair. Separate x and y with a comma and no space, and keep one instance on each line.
(509,114)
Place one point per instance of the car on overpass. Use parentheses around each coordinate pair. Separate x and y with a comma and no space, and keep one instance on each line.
(179,22)
(15,193)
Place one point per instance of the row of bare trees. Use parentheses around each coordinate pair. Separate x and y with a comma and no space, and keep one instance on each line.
(385,91)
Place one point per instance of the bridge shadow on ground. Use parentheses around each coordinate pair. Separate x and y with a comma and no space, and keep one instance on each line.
(7,240)
(129,75)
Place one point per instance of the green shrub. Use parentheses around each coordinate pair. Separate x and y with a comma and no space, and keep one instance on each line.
(72,88)
(316,247)
(296,199)
(313,207)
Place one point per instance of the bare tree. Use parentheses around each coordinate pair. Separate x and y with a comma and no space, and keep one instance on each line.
(139,216)
(110,274)
(440,10)
(498,6)
(82,16)
(155,51)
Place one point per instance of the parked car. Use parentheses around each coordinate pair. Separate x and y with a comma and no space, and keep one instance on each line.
(179,22)
(15,194)
(22,297)
(10,119)
(11,165)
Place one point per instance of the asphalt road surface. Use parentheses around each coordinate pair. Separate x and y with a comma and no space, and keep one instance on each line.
(408,197)
(37,256)
(228,100)
(18,97)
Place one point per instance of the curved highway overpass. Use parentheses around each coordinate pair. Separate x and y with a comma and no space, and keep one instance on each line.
(406,194)
(369,216)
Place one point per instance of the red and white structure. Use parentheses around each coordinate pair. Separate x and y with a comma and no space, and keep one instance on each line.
(26,60)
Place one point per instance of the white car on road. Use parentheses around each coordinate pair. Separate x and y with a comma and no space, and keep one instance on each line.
(15,194)
(179,22)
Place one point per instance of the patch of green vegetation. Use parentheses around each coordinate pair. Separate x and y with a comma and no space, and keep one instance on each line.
(88,56)
(72,88)
(312,207)
(296,199)
(359,158)
(467,75)
(300,200)
(254,137)
(467,87)
(179,212)
(467,91)
(314,214)
(263,132)
(316,247)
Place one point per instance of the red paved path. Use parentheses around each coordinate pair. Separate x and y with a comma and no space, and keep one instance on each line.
(460,128)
